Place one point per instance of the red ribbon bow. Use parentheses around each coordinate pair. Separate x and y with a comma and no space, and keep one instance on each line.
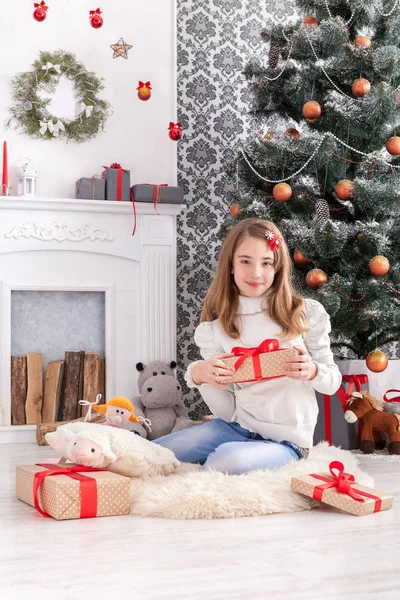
(356,381)
(343,483)
(270,345)
(141,85)
(95,12)
(41,5)
(395,399)
(88,486)
(175,125)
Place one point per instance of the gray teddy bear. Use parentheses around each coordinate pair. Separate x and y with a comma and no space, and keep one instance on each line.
(161,399)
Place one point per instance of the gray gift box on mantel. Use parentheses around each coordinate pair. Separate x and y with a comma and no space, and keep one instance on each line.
(166,194)
(90,188)
(111,178)
(344,434)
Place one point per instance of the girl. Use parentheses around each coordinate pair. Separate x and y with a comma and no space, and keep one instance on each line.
(263,424)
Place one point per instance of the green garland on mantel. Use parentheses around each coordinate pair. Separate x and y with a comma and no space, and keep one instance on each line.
(30,111)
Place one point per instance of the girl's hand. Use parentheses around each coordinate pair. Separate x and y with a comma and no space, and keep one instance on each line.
(213,371)
(300,367)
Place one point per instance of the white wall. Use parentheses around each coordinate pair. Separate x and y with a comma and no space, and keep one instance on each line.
(136,134)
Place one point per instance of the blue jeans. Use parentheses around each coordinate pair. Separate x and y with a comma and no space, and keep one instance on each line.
(228,447)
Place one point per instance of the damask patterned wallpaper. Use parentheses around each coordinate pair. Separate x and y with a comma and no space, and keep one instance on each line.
(215,40)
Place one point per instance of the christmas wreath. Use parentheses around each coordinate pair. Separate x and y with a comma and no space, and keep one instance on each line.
(30,110)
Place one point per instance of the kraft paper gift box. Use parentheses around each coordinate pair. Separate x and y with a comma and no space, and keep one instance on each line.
(257,364)
(74,491)
(91,188)
(118,183)
(331,424)
(154,194)
(340,490)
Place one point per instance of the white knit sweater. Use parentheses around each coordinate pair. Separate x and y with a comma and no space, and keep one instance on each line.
(281,408)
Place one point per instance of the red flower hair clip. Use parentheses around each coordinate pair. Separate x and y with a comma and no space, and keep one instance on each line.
(274,241)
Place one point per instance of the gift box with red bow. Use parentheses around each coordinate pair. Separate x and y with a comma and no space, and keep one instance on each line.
(257,364)
(118,183)
(73,491)
(339,489)
(331,424)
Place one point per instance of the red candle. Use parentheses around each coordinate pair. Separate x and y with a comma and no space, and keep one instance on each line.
(4,187)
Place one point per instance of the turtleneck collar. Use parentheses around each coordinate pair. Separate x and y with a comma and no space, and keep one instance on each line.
(250,306)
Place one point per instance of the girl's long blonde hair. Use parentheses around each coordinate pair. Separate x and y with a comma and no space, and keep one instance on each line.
(285,307)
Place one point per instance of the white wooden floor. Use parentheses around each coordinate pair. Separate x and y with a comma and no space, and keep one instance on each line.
(313,555)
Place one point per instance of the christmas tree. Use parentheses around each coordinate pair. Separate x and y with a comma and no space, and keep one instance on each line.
(325,165)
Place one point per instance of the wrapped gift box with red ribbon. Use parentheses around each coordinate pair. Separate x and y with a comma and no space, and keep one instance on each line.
(257,364)
(157,193)
(74,491)
(331,425)
(90,188)
(118,183)
(339,489)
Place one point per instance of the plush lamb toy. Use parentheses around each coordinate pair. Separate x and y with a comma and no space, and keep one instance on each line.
(116,449)
(161,399)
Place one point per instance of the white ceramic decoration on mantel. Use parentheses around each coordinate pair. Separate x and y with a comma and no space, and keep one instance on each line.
(87,245)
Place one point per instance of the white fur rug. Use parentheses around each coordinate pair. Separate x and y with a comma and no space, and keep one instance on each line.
(193,493)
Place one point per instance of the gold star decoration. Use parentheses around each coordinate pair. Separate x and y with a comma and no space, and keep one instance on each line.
(121,48)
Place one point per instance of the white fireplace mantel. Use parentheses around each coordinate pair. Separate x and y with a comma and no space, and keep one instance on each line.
(87,245)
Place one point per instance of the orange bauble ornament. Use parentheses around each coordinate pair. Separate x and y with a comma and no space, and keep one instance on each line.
(344,190)
(377,361)
(379,265)
(362,41)
(393,145)
(361,87)
(300,260)
(282,192)
(315,278)
(310,21)
(234,210)
(311,110)
(293,133)
(144,90)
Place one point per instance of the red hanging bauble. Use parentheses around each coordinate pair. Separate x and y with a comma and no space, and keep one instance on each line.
(175,131)
(40,12)
(282,192)
(234,210)
(377,361)
(393,145)
(144,90)
(344,190)
(311,110)
(362,41)
(379,265)
(310,21)
(293,133)
(96,20)
(361,87)
(315,278)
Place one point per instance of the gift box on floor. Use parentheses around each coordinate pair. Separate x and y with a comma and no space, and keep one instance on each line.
(166,194)
(118,183)
(73,492)
(342,491)
(90,188)
(256,364)
(331,424)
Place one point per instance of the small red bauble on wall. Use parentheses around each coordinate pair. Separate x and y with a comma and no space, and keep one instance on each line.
(144,90)
(40,12)
(175,131)
(96,20)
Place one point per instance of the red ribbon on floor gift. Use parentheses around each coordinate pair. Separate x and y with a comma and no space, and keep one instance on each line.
(356,381)
(271,345)
(88,486)
(343,483)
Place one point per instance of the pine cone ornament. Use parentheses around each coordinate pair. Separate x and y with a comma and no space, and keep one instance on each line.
(322,212)
(273,57)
